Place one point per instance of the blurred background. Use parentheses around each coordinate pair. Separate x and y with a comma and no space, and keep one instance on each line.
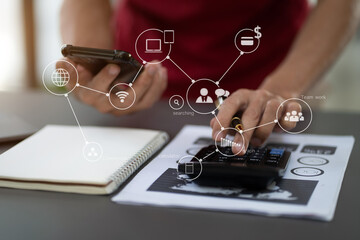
(30,39)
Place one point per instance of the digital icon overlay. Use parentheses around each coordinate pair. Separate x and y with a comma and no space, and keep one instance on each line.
(294,116)
(176,102)
(122,95)
(92,151)
(60,77)
(153,46)
(204,97)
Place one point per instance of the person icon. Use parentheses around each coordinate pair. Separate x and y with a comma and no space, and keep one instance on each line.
(287,117)
(301,117)
(294,117)
(204,98)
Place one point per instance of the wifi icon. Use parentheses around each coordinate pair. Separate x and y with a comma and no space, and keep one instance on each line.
(122,95)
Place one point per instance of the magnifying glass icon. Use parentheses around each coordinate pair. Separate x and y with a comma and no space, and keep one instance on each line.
(176,102)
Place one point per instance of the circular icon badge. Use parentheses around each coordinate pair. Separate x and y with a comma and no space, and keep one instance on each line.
(201,96)
(176,102)
(154,45)
(307,171)
(302,118)
(92,151)
(189,170)
(225,144)
(313,161)
(248,40)
(60,77)
(122,96)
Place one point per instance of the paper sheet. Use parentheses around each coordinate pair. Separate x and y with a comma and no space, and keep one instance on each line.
(309,189)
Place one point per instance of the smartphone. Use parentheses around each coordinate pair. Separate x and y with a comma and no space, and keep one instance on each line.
(95,59)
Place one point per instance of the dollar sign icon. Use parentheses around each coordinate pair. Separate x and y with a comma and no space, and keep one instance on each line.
(257,31)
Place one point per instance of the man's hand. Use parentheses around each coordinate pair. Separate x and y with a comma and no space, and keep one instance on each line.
(258,107)
(149,86)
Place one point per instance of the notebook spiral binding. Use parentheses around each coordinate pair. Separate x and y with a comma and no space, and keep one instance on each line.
(139,158)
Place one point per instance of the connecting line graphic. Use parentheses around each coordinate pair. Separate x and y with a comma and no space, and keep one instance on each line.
(94,90)
(168,57)
(137,73)
(208,155)
(72,109)
(217,119)
(241,53)
(107,94)
(249,129)
(262,125)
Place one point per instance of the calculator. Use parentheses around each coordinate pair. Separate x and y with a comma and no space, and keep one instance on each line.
(257,168)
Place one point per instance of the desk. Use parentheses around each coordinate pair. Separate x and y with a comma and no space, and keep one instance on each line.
(49,215)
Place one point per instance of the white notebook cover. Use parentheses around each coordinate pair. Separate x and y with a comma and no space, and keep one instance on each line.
(54,155)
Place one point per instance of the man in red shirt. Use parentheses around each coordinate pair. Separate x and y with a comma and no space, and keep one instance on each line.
(298,45)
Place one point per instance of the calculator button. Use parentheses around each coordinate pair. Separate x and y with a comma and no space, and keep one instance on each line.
(259,150)
(274,157)
(272,162)
(258,155)
(249,152)
(235,159)
(277,151)
(254,160)
(222,158)
(255,156)
(238,158)
(226,151)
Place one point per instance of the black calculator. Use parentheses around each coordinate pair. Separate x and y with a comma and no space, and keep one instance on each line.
(257,168)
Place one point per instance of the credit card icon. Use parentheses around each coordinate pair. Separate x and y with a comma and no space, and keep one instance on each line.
(247,41)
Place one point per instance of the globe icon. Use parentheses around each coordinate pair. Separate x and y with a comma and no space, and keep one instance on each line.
(60,77)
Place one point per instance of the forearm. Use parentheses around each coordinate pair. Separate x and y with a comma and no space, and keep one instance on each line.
(325,33)
(86,23)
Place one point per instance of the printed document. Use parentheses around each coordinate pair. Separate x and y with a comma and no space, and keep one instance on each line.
(309,188)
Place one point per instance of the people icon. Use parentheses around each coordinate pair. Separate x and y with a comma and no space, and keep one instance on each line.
(294,116)
(287,117)
(301,117)
(204,98)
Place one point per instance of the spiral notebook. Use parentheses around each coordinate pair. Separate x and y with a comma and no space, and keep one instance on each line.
(56,158)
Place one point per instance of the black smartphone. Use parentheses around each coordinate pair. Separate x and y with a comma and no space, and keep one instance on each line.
(95,59)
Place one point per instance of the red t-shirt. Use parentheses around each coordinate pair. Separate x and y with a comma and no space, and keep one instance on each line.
(204,36)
